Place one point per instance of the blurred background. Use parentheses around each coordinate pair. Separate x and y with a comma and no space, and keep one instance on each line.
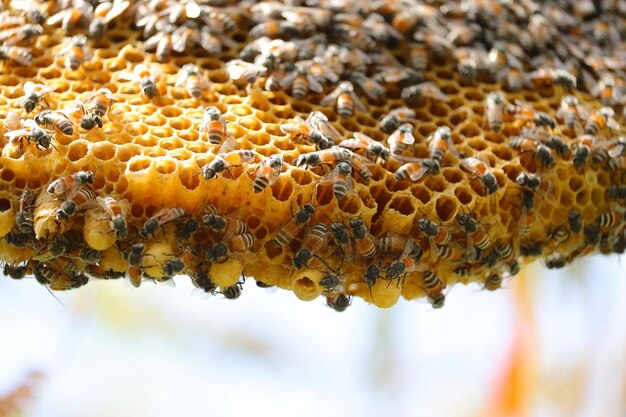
(550,343)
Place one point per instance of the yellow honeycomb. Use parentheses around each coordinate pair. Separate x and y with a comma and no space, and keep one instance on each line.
(151,156)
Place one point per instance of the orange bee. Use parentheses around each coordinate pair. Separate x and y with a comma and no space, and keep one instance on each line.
(159,219)
(373,149)
(493,281)
(440,142)
(438,236)
(146,77)
(401,140)
(103,14)
(68,183)
(341,179)
(227,157)
(290,230)
(95,107)
(495,110)
(571,112)
(117,212)
(476,236)
(214,125)
(417,169)
(608,92)
(267,173)
(482,171)
(17,54)
(191,77)
(391,121)
(134,256)
(434,287)
(346,99)
(312,243)
(56,119)
(364,241)
(540,151)
(76,52)
(605,117)
(76,200)
(415,94)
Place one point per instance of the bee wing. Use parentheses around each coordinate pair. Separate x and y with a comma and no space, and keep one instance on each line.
(287,80)
(128,76)
(16,133)
(360,106)
(228,145)
(236,68)
(153,40)
(332,97)
(353,143)
(616,150)
(432,91)
(118,8)
(314,85)
(29,87)
(612,124)
(407,138)
(179,39)
(329,130)
(57,18)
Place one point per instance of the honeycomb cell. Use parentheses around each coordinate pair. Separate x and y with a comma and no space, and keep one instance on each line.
(103,151)
(403,205)
(77,150)
(446,208)
(137,164)
(421,193)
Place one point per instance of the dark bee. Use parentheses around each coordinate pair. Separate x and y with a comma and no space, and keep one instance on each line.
(331,282)
(290,230)
(312,243)
(23,215)
(55,119)
(159,219)
(34,93)
(267,173)
(233,292)
(187,229)
(95,107)
(15,271)
(338,302)
(75,201)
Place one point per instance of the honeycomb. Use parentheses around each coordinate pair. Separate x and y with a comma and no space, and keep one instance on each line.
(222,140)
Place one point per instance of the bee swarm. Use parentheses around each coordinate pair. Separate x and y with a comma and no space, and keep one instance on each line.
(221,139)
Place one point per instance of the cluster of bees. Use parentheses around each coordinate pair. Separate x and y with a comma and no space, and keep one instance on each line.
(338,55)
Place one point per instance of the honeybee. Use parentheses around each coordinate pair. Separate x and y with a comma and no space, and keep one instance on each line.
(214,125)
(312,243)
(15,271)
(146,77)
(535,183)
(332,282)
(191,77)
(391,121)
(246,71)
(342,239)
(20,34)
(508,256)
(341,179)
(233,292)
(159,219)
(17,54)
(134,256)
(219,252)
(202,280)
(346,99)
(103,14)
(476,236)
(481,170)
(267,173)
(228,226)
(338,301)
(608,92)
(94,107)
(319,122)
(226,158)
(495,110)
(540,151)
(23,215)
(73,16)
(32,133)
(301,82)
(276,29)
(302,131)
(493,281)
(59,280)
(418,58)
(34,93)
(437,236)
(163,44)
(521,111)
(440,142)
(117,212)
(434,287)
(416,170)
(407,262)
(415,94)
(365,243)
(399,74)
(373,149)
(401,140)
(76,200)
(71,182)
(605,117)
(616,192)
(56,119)
(368,86)
(290,230)
(545,77)
(592,234)
(76,52)
(571,112)
(330,156)
(618,147)
(60,246)
(513,78)
(583,151)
